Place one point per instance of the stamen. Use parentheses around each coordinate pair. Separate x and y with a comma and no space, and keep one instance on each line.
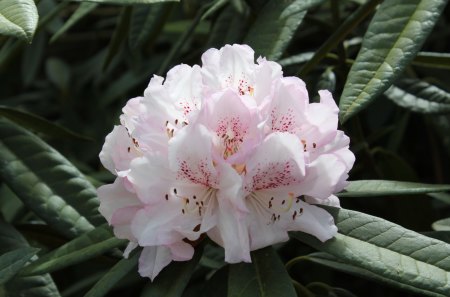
(167,197)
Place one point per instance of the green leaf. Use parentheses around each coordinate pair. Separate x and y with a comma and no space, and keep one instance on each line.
(173,279)
(275,26)
(32,59)
(442,225)
(273,279)
(419,96)
(370,188)
(11,262)
(395,35)
(46,182)
(126,2)
(407,259)
(113,276)
(82,248)
(18,18)
(242,280)
(119,35)
(82,10)
(39,124)
(433,60)
(36,286)
(229,27)
(58,73)
(146,22)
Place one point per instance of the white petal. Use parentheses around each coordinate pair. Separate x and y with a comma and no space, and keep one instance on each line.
(332,200)
(151,178)
(114,197)
(277,162)
(190,156)
(130,247)
(118,150)
(132,110)
(315,221)
(153,259)
(181,251)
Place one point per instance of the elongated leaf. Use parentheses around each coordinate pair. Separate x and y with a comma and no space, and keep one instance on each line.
(32,58)
(275,26)
(242,280)
(119,35)
(370,188)
(18,18)
(273,279)
(107,282)
(82,248)
(146,21)
(395,35)
(228,28)
(410,260)
(11,262)
(126,2)
(46,182)
(173,279)
(432,60)
(334,263)
(419,96)
(442,225)
(36,286)
(83,10)
(38,124)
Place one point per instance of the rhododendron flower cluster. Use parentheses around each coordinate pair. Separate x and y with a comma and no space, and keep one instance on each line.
(231,150)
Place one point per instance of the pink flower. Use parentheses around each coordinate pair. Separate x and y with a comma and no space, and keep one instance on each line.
(231,149)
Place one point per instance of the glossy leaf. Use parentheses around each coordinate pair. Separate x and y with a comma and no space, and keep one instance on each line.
(410,261)
(82,248)
(146,21)
(419,96)
(127,2)
(273,279)
(173,279)
(114,275)
(275,26)
(432,60)
(370,188)
(46,182)
(242,280)
(18,18)
(36,286)
(82,10)
(395,35)
(11,262)
(39,124)
(442,225)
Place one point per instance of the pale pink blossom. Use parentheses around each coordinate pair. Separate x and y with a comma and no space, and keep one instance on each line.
(231,150)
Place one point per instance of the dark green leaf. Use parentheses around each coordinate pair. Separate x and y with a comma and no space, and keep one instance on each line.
(18,18)
(46,182)
(82,248)
(127,2)
(32,58)
(35,286)
(419,96)
(58,73)
(242,280)
(173,279)
(442,225)
(275,26)
(145,22)
(11,262)
(392,40)
(83,10)
(407,259)
(119,35)
(273,279)
(119,271)
(432,60)
(370,188)
(38,124)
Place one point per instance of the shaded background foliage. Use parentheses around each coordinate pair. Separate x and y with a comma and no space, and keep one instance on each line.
(87,59)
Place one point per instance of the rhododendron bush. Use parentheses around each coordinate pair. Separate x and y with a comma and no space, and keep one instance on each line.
(224,148)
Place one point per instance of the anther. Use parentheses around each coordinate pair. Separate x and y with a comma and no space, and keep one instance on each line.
(314,145)
(175,191)
(294,215)
(182,211)
(129,149)
(167,196)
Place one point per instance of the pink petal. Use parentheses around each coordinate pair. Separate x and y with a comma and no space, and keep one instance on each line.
(181,251)
(277,162)
(153,259)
